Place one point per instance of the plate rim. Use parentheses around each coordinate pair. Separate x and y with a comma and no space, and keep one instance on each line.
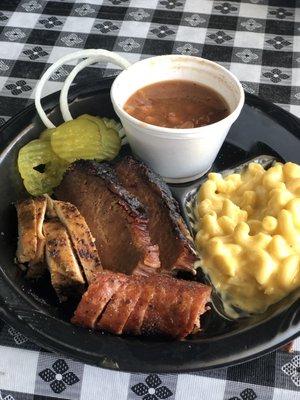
(69,350)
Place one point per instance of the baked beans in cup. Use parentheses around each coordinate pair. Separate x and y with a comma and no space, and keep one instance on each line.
(178,135)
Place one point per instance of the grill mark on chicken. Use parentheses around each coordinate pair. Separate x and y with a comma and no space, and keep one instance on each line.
(66,277)
(172,310)
(116,219)
(27,233)
(81,238)
(166,226)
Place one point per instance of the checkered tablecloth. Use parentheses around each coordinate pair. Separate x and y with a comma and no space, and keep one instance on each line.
(258,40)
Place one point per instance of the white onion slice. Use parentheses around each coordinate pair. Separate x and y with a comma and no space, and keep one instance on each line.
(63,100)
(105,56)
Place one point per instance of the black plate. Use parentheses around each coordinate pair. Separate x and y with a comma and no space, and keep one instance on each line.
(33,310)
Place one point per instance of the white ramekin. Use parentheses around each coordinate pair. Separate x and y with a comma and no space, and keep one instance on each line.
(178,155)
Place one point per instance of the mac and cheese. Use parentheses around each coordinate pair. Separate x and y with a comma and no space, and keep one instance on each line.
(248,234)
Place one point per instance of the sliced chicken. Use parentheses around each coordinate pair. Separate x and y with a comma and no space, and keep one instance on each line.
(37,266)
(50,212)
(66,276)
(27,232)
(81,237)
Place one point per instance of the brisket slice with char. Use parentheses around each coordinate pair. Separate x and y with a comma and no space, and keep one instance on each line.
(117,220)
(173,309)
(166,226)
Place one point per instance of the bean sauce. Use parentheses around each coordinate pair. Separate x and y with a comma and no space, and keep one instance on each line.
(177,104)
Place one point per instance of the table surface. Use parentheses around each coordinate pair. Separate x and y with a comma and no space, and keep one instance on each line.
(259,41)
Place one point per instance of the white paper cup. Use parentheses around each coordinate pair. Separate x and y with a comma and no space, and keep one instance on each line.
(178,155)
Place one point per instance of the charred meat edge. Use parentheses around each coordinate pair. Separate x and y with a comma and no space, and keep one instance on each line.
(187,257)
(134,209)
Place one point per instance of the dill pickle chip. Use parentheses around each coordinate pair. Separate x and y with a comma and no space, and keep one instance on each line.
(39,167)
(110,140)
(112,123)
(46,134)
(111,144)
(97,120)
(77,139)
(35,153)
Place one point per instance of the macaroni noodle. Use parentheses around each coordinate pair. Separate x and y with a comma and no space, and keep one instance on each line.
(248,234)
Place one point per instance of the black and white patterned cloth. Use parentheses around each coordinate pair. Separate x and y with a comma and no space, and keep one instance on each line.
(258,40)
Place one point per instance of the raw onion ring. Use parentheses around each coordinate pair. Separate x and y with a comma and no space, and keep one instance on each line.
(100,54)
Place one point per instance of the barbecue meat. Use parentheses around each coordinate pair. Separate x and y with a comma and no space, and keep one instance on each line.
(81,238)
(121,306)
(135,320)
(173,307)
(36,266)
(66,276)
(117,220)
(27,232)
(31,243)
(166,226)
(96,298)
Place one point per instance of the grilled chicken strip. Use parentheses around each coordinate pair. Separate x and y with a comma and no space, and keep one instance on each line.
(27,232)
(169,307)
(81,238)
(36,266)
(66,276)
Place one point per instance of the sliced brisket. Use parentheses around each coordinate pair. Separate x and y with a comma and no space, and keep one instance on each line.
(166,226)
(117,220)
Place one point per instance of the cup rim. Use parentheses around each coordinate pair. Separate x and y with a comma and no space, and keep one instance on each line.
(160,130)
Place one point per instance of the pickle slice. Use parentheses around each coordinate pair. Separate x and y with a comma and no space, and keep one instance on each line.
(77,139)
(46,134)
(111,144)
(112,123)
(110,140)
(39,167)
